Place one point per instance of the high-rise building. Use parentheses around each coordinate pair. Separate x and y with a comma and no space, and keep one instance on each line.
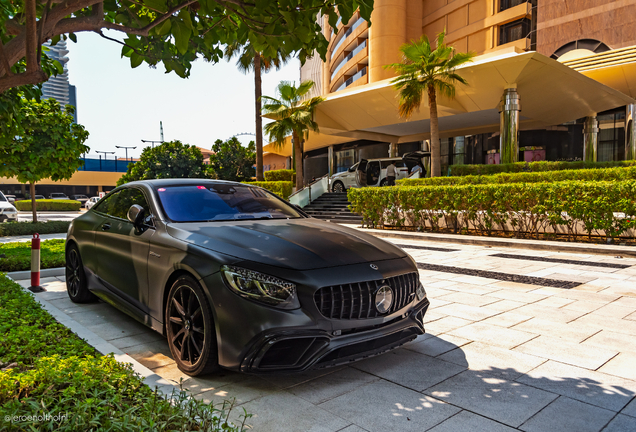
(556,78)
(58,87)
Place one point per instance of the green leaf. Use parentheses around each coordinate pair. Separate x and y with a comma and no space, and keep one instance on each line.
(163,28)
(72,37)
(185,16)
(135,60)
(159,5)
(181,35)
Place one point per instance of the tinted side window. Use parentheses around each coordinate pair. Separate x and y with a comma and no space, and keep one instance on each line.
(127,198)
(107,203)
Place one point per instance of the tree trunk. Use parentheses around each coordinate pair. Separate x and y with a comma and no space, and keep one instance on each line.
(298,159)
(436,168)
(259,119)
(33,209)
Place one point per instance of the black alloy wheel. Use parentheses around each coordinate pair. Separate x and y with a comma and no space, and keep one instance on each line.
(76,285)
(338,187)
(189,328)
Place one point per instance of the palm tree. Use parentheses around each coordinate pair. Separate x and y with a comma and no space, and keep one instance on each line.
(424,69)
(251,60)
(294,114)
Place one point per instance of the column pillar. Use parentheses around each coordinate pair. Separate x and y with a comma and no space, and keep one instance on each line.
(330,161)
(630,132)
(393,150)
(590,139)
(509,109)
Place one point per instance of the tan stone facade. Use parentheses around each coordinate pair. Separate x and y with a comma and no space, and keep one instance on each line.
(611,22)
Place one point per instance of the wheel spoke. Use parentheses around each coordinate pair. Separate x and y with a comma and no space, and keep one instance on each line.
(189,349)
(182,312)
(196,313)
(198,330)
(179,308)
(179,333)
(176,320)
(189,308)
(196,347)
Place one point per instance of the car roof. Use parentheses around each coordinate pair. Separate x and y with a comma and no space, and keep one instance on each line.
(384,159)
(155,183)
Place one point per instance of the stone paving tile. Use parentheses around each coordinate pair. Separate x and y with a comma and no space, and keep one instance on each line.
(353,428)
(522,297)
(631,317)
(468,312)
(575,331)
(549,313)
(433,315)
(630,409)
(445,324)
(437,303)
(612,340)
(614,310)
(469,299)
(288,380)
(568,415)
(621,423)
(441,284)
(475,280)
(623,365)
(332,385)
(627,302)
(118,329)
(434,346)
(495,361)
(493,335)
(467,420)
(130,341)
(383,406)
(584,306)
(507,319)
(242,391)
(409,369)
(567,352)
(502,400)
(152,354)
(595,388)
(283,412)
(202,384)
(608,323)
(505,305)
(555,302)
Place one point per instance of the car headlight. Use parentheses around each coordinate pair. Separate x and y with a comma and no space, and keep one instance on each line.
(261,287)
(420,292)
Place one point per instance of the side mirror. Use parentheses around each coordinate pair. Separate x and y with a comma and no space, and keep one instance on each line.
(136,214)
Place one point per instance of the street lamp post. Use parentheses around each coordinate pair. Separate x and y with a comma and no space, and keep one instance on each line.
(151,141)
(124,147)
(100,158)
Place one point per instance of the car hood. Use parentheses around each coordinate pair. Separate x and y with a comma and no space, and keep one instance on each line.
(299,244)
(6,205)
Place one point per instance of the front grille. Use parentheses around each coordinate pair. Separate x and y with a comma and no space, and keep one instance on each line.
(356,301)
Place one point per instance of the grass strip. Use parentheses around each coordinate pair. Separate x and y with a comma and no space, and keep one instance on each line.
(16,256)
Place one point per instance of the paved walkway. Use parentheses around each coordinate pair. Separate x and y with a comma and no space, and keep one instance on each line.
(498,355)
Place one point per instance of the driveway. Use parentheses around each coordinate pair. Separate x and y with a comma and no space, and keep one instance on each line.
(517,340)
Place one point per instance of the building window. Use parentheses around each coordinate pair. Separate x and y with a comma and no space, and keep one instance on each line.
(515,30)
(611,137)
(459,150)
(344,160)
(507,4)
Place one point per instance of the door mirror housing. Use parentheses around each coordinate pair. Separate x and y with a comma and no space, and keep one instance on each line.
(136,215)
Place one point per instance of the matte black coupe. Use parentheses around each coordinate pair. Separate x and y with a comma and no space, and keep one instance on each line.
(236,277)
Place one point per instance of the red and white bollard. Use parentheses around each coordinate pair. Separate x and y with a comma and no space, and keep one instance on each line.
(35,264)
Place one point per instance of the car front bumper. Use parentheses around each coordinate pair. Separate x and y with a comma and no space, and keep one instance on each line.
(8,217)
(252,337)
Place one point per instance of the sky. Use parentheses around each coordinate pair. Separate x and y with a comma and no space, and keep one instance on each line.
(119,105)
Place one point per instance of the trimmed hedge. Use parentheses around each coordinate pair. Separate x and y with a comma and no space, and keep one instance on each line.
(30,228)
(49,205)
(525,209)
(281,188)
(280,175)
(463,170)
(602,174)
(17,255)
(47,370)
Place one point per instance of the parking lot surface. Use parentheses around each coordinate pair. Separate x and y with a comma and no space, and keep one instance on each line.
(516,340)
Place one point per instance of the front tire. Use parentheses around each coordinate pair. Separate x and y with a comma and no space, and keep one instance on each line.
(190,329)
(384,182)
(76,284)
(338,187)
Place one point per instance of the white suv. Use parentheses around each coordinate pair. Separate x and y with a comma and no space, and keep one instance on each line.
(371,172)
(7,211)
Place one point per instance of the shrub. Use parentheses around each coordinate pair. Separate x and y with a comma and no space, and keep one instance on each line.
(30,228)
(281,188)
(463,170)
(521,208)
(601,174)
(48,370)
(280,175)
(49,205)
(17,255)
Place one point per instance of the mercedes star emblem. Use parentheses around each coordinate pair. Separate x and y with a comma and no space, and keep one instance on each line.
(384,299)
(374,267)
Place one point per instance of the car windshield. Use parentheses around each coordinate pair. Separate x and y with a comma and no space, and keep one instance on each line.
(222,202)
(2,198)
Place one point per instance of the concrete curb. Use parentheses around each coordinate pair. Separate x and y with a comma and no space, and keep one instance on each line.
(22,275)
(581,248)
(151,379)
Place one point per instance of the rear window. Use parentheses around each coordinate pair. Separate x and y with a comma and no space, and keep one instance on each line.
(222,202)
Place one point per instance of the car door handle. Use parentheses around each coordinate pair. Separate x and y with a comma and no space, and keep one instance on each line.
(106,227)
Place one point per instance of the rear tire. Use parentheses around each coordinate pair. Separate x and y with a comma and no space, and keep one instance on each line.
(190,328)
(384,182)
(338,187)
(76,284)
